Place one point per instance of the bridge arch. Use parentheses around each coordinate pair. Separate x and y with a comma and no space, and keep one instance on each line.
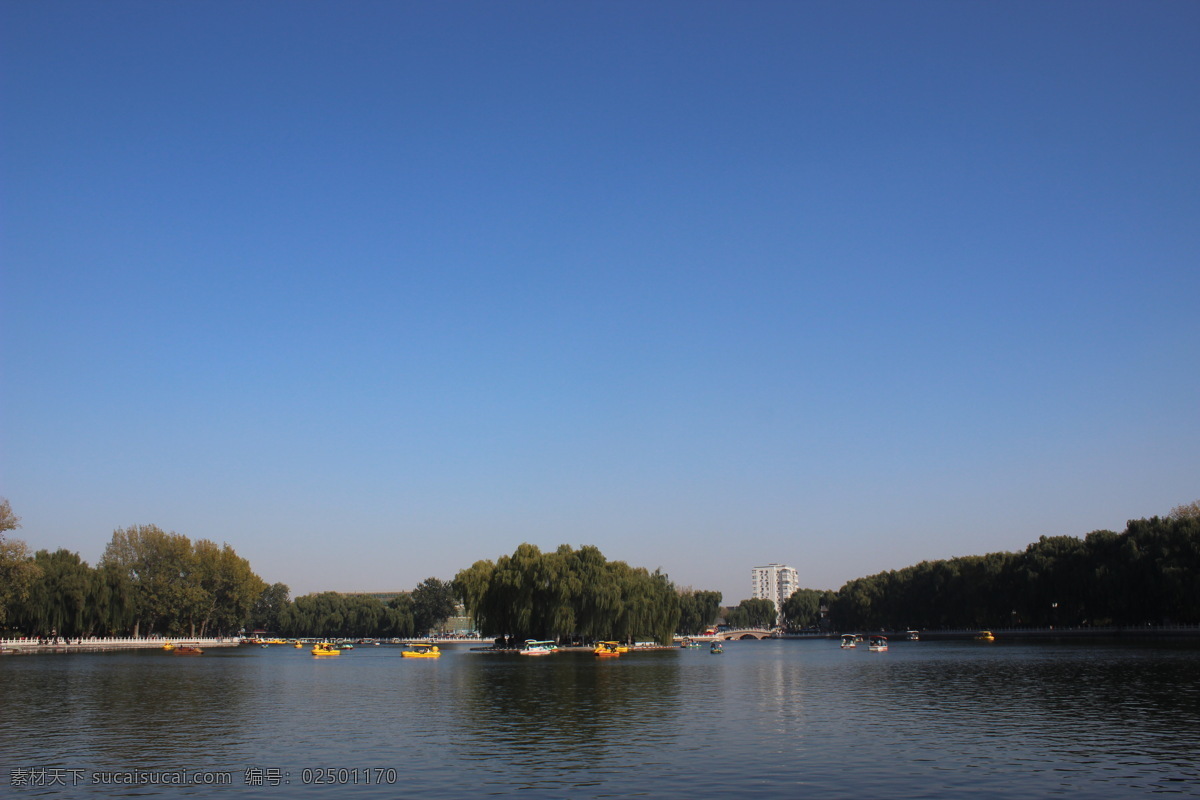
(745,633)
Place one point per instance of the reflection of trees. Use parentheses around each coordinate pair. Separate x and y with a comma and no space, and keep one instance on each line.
(565,712)
(184,710)
(1128,688)
(143,710)
(1107,695)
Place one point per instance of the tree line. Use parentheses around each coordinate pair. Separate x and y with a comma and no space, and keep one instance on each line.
(150,581)
(147,582)
(356,616)
(1147,575)
(153,582)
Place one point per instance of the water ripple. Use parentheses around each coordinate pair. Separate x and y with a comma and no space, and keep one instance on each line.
(772,719)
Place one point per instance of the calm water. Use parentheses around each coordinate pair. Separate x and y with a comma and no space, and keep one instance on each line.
(772,719)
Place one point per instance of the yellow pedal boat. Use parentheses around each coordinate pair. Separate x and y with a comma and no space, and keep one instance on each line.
(422,651)
(608,649)
(325,649)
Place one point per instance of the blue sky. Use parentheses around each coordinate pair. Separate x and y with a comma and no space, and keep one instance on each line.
(374,290)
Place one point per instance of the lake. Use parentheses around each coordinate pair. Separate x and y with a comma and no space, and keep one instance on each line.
(769,719)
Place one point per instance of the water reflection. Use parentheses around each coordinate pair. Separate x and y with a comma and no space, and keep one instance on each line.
(144,709)
(559,716)
(766,719)
(1112,719)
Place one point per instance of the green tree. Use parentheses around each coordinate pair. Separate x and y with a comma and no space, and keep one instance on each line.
(333,615)
(58,596)
(1150,573)
(225,589)
(17,568)
(536,595)
(269,606)
(322,614)
(364,616)
(473,586)
(755,613)
(697,610)
(802,609)
(110,602)
(432,604)
(399,617)
(159,567)
(8,520)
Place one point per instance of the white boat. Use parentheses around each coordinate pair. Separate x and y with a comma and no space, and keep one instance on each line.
(849,640)
(878,644)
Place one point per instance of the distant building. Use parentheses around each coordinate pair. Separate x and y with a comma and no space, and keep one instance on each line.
(774,582)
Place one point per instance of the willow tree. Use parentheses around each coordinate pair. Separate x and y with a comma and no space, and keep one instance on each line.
(698,610)
(398,617)
(473,586)
(58,596)
(269,606)
(111,602)
(756,613)
(532,594)
(599,599)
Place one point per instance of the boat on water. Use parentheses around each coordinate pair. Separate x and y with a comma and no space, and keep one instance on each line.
(848,641)
(168,647)
(716,648)
(325,649)
(686,643)
(422,651)
(345,646)
(535,647)
(298,645)
(913,636)
(877,644)
(187,649)
(608,649)
(985,636)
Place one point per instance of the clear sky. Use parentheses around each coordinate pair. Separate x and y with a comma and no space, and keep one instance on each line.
(374,290)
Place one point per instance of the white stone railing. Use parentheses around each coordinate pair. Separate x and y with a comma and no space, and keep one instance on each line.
(114,641)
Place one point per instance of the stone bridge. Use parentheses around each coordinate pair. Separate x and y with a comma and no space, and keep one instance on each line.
(744,633)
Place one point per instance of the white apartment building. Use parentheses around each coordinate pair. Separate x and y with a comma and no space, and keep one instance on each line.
(774,582)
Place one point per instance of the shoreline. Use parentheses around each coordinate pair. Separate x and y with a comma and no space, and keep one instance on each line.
(948,634)
(28,646)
